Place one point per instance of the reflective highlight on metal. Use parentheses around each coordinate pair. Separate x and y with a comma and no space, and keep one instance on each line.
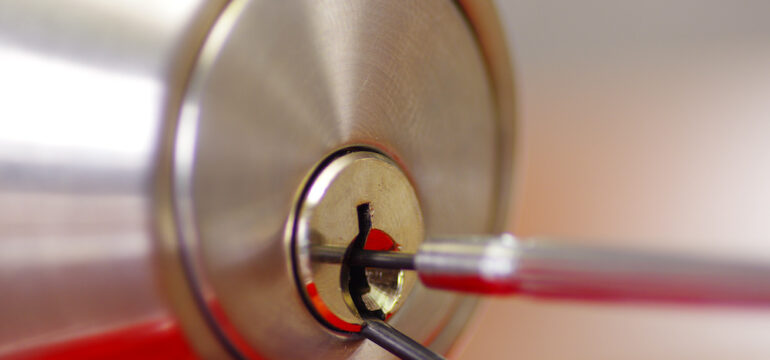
(151,152)
(357,196)
(281,85)
(505,265)
(89,92)
(478,264)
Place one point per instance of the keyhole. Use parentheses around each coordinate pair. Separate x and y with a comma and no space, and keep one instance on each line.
(373,292)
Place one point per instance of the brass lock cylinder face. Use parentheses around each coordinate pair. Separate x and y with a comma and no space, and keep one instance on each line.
(352,186)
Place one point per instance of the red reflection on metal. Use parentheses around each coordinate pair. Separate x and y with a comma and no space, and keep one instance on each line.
(163,339)
(376,240)
(380,241)
(469,284)
(152,340)
(327,314)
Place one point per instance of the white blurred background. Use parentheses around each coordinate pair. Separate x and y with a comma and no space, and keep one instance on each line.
(642,124)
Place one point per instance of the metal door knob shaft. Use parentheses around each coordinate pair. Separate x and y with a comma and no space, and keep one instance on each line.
(158,151)
(502,265)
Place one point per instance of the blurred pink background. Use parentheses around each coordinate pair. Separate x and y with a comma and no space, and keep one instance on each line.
(644,124)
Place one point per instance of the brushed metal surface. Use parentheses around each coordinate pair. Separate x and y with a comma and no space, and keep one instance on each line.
(101,194)
(87,88)
(282,84)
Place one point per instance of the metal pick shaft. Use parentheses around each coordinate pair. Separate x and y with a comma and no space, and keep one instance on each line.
(395,342)
(505,265)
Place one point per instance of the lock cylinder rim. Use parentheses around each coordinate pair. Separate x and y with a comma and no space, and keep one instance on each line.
(333,176)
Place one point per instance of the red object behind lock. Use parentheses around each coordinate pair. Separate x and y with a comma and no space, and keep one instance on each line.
(156,339)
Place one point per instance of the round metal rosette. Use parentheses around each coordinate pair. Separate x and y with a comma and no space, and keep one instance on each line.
(281,85)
